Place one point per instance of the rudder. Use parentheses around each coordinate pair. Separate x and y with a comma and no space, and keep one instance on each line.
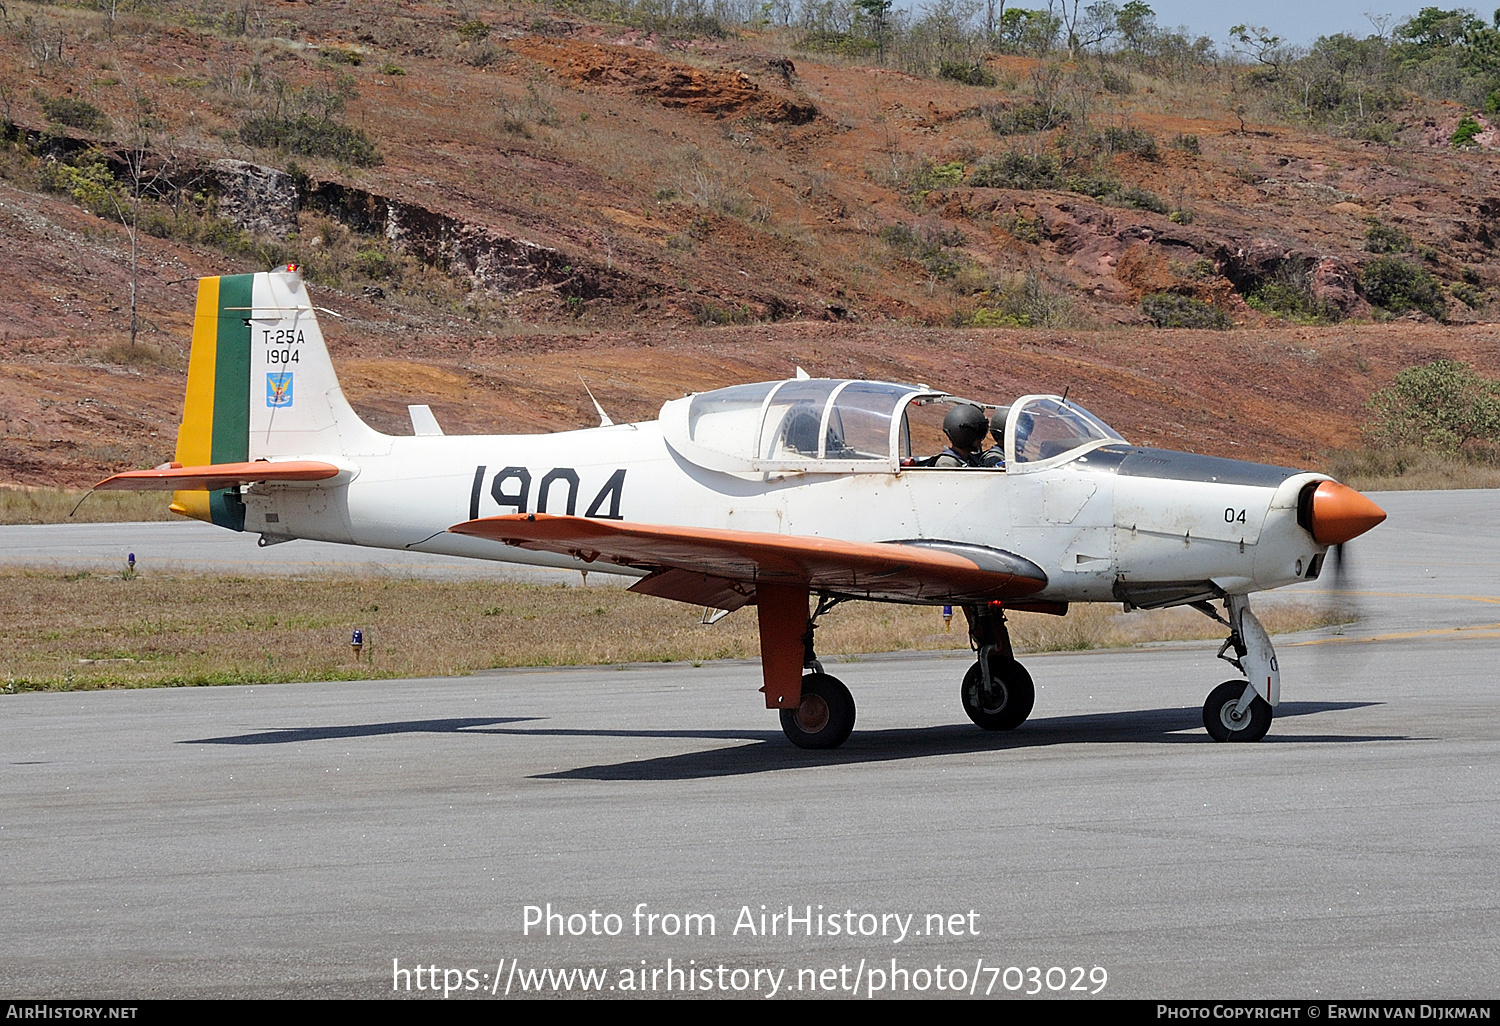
(216,409)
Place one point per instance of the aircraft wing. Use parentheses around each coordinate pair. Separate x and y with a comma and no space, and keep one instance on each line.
(175,477)
(720,568)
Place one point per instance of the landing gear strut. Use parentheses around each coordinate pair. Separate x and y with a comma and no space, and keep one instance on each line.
(824,714)
(1241,710)
(997,691)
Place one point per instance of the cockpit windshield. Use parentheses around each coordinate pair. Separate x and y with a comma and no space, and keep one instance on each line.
(1046,427)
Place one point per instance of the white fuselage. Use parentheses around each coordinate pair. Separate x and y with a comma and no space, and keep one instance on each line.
(1089,527)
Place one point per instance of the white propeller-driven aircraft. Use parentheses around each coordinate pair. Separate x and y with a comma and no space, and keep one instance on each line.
(772,494)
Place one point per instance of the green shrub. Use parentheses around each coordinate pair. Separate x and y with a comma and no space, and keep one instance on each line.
(1470,296)
(342,55)
(1024,229)
(950,173)
(1138,198)
(972,73)
(709,314)
(310,136)
(1465,134)
(1129,140)
(1443,406)
(1017,170)
(928,176)
(75,113)
(377,263)
(88,181)
(1291,301)
(1396,285)
(1027,118)
(1170,310)
(931,247)
(1187,143)
(1386,238)
(473,31)
(1021,302)
(1288,294)
(1092,183)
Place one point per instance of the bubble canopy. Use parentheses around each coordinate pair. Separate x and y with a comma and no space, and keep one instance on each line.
(830,425)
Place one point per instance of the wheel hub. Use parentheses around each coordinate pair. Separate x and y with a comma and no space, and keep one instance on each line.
(812,713)
(1231,716)
(993,701)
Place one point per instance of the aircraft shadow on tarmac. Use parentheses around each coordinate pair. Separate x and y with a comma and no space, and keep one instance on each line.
(771,752)
(293,735)
(867,746)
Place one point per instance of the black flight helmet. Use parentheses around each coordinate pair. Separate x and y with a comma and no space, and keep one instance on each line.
(965,426)
(997,423)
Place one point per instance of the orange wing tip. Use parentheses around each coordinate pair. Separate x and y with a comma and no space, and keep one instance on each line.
(171,477)
(1339,513)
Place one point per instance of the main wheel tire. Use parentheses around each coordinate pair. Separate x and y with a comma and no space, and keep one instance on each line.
(824,718)
(1010,701)
(1221,722)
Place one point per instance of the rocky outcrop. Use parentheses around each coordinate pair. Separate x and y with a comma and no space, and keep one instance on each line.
(255,198)
(1336,283)
(490,259)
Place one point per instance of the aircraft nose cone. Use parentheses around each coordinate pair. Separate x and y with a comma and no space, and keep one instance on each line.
(1339,513)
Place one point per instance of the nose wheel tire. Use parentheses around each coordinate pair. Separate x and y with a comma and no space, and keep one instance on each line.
(1222,721)
(824,718)
(1010,699)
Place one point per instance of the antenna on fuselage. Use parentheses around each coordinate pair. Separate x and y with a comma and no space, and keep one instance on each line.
(604,420)
(1065,394)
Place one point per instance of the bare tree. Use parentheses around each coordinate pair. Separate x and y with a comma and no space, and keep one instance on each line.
(994,14)
(1380,23)
(1069,13)
(147,164)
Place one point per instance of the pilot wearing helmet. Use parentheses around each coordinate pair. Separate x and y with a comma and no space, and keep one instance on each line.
(994,456)
(965,426)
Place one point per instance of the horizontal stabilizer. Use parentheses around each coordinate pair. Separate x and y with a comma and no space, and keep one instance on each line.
(172,477)
(709,558)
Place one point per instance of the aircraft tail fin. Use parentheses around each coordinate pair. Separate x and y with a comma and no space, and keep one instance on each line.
(260,385)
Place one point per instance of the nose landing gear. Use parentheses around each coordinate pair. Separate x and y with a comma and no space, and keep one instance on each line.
(1241,710)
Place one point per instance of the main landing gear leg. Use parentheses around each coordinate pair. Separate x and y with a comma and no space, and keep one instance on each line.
(817,711)
(1241,710)
(997,691)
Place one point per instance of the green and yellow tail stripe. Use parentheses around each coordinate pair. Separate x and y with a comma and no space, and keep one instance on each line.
(216,411)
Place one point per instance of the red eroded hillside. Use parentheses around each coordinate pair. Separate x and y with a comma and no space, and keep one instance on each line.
(551,198)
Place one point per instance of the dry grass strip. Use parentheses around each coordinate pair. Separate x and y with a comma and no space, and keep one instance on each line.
(67,631)
(23,505)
